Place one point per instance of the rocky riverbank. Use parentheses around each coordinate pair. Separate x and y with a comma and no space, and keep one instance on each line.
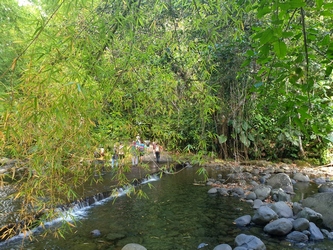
(269,188)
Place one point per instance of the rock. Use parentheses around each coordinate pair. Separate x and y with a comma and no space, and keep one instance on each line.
(301,224)
(222,247)
(280,195)
(95,233)
(202,245)
(320,180)
(282,209)
(264,215)
(223,191)
(262,192)
(133,246)
(316,234)
(297,236)
(250,196)
(244,241)
(297,207)
(281,181)
(326,188)
(328,234)
(212,191)
(243,220)
(279,227)
(238,190)
(301,177)
(257,203)
(310,215)
(322,203)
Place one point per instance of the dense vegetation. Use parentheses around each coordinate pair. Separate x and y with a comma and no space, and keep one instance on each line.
(231,79)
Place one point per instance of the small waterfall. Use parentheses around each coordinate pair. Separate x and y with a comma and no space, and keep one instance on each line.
(75,208)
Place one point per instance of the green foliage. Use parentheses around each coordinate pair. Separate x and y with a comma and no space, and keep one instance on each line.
(237,79)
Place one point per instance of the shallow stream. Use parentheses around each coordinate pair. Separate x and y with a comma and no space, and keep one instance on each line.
(177,215)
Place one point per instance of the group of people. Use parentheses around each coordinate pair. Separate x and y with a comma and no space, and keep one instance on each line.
(137,150)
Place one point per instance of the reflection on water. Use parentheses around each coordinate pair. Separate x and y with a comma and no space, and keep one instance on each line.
(177,215)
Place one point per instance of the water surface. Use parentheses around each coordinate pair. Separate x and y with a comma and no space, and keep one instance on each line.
(177,215)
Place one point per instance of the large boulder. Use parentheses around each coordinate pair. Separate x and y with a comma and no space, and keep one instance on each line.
(316,234)
(222,247)
(244,241)
(301,224)
(281,180)
(243,221)
(326,188)
(262,192)
(322,203)
(310,215)
(301,177)
(282,209)
(133,246)
(279,227)
(296,236)
(263,215)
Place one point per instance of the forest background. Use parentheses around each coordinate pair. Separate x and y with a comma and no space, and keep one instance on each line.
(236,79)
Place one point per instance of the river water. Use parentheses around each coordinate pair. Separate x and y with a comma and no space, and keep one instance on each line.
(177,215)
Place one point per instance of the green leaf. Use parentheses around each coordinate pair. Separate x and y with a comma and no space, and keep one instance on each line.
(244,139)
(280,49)
(263,11)
(266,36)
(245,126)
(222,138)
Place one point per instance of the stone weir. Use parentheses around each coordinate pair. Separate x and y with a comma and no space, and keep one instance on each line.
(10,230)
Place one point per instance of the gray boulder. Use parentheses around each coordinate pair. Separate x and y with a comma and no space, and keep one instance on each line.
(322,203)
(95,233)
(297,207)
(244,241)
(279,195)
(279,227)
(296,236)
(301,177)
(238,190)
(320,180)
(243,221)
(223,191)
(257,203)
(212,191)
(310,215)
(251,196)
(301,224)
(222,247)
(262,192)
(282,209)
(316,234)
(328,234)
(281,180)
(326,188)
(133,246)
(264,215)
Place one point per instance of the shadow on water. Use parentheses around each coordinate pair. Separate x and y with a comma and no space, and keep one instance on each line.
(177,215)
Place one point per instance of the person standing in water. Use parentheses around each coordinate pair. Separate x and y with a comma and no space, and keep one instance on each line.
(158,150)
(134,153)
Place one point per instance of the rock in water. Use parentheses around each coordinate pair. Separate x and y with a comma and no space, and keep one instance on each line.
(202,245)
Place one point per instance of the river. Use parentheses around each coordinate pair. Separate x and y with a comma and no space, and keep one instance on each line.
(176,215)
